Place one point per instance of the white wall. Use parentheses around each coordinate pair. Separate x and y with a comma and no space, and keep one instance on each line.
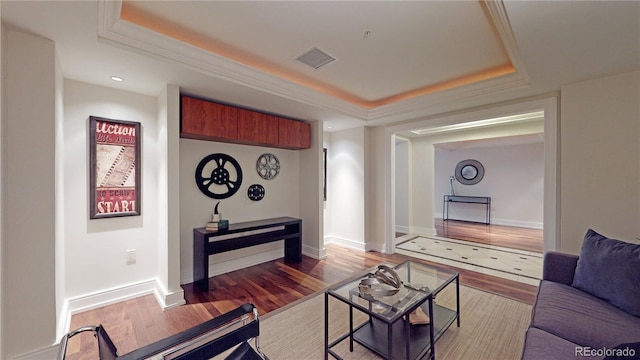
(402,185)
(168,178)
(600,159)
(310,194)
(513,178)
(346,189)
(95,249)
(28,187)
(423,164)
(281,199)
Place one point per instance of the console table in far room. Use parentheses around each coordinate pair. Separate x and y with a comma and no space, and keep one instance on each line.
(205,242)
(484,200)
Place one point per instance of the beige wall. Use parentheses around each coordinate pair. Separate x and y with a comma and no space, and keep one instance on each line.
(600,159)
(28,186)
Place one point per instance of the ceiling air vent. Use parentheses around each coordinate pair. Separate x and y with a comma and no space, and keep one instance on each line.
(315,58)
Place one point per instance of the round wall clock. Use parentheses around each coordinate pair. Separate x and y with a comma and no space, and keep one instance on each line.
(268,166)
(256,192)
(218,176)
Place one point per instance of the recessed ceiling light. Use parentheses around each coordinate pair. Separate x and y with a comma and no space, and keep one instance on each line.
(116,78)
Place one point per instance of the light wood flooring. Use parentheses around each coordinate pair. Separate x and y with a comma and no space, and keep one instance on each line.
(497,235)
(270,286)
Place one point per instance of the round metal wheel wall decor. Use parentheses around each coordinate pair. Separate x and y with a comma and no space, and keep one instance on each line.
(256,192)
(268,166)
(218,176)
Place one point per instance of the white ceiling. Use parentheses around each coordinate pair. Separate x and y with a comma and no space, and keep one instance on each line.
(244,52)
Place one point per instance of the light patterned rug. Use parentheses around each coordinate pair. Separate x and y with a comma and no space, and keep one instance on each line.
(493,260)
(492,327)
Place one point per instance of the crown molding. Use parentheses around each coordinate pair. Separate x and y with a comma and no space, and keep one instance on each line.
(501,20)
(121,33)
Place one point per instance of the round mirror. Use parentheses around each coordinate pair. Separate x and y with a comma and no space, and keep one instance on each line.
(469,172)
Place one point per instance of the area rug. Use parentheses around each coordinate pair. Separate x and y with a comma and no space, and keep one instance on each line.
(510,261)
(492,327)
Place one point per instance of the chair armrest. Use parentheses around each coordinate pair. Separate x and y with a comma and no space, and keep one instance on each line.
(559,267)
(205,340)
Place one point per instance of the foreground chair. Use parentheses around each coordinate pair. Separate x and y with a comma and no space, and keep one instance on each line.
(233,329)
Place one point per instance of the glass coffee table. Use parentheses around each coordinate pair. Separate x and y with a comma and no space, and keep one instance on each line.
(388,331)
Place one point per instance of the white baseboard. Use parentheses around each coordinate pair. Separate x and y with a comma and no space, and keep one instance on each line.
(517,223)
(423,231)
(315,253)
(46,353)
(111,296)
(348,243)
(403,229)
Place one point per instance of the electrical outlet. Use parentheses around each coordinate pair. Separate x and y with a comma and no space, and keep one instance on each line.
(131,256)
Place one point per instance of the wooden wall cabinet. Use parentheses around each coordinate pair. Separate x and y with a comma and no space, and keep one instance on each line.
(257,128)
(206,120)
(294,134)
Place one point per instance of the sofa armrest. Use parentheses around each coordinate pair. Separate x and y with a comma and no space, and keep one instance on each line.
(559,267)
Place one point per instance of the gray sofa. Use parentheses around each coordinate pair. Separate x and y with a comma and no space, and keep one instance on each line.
(569,321)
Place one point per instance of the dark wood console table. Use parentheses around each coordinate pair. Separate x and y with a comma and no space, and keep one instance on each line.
(486,200)
(205,244)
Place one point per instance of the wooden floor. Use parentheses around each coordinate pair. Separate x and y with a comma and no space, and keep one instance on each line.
(497,235)
(270,286)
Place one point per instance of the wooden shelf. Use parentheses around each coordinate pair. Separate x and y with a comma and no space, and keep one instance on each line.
(207,120)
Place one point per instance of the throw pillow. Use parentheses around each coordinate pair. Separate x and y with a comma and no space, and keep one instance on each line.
(610,270)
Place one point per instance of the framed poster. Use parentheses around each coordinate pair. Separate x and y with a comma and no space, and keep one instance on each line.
(114,168)
(324,174)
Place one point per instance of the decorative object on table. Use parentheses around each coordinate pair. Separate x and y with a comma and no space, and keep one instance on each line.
(419,317)
(256,192)
(384,282)
(216,222)
(218,176)
(114,169)
(469,172)
(268,166)
(451,190)
(216,214)
(217,225)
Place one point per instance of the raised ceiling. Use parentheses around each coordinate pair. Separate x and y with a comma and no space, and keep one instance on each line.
(390,56)
(397,61)
(386,52)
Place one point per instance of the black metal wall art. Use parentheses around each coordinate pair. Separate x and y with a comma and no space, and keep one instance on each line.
(268,166)
(256,192)
(218,176)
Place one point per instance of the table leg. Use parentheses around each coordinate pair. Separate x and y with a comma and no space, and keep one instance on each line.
(431,330)
(350,328)
(326,326)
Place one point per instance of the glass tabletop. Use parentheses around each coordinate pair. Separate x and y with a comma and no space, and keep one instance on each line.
(419,281)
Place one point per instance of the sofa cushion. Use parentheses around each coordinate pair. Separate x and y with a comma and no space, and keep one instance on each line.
(581,318)
(539,344)
(610,269)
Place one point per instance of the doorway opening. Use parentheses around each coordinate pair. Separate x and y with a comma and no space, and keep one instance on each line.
(516,227)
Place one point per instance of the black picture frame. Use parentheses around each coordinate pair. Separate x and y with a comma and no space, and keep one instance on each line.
(114,168)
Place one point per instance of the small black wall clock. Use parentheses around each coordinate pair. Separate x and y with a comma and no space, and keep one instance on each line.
(218,176)
(256,192)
